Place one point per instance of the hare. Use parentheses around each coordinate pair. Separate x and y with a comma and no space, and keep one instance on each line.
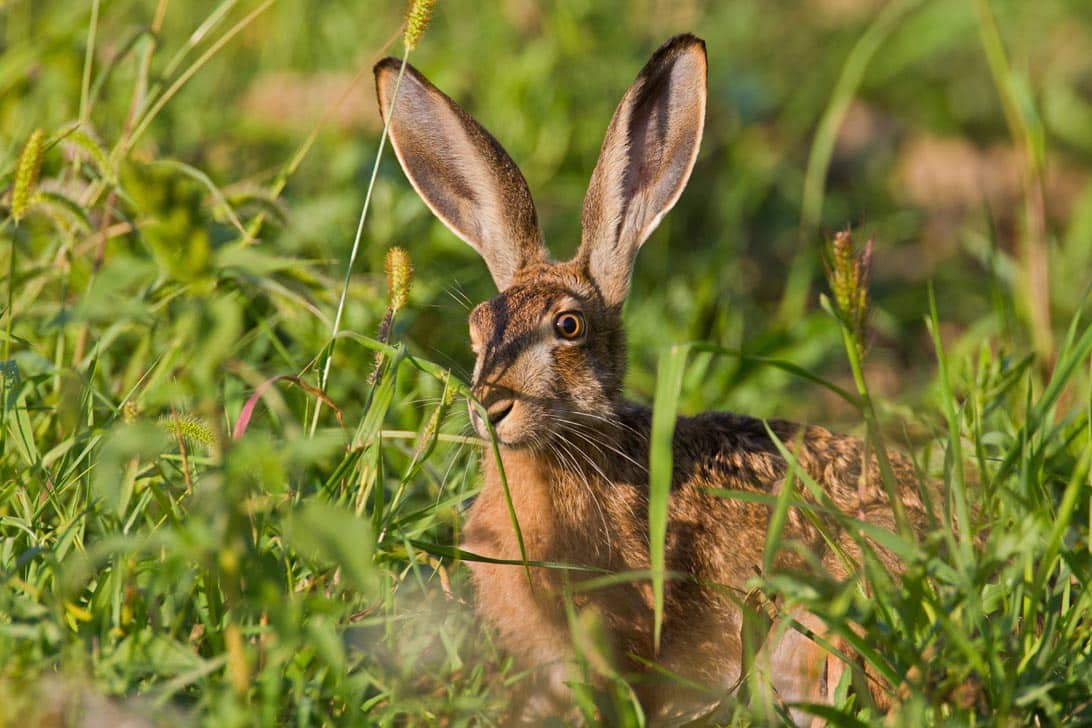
(550,364)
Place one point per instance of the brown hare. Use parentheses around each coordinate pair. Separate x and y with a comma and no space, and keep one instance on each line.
(550,363)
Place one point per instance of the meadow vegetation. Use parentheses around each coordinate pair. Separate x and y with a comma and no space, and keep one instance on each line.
(201,522)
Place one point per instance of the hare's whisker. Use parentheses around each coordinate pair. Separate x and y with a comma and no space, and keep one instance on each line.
(559,447)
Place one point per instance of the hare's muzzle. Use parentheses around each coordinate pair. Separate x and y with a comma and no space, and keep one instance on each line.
(498,411)
(495,412)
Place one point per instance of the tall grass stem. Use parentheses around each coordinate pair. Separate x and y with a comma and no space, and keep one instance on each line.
(794,298)
(356,241)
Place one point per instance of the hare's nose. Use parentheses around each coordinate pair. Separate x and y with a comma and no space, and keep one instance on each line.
(498,411)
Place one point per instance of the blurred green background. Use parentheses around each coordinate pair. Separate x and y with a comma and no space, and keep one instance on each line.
(188,244)
(923,160)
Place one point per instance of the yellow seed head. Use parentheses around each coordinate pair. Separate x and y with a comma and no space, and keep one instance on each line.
(428,435)
(26,175)
(399,277)
(417,17)
(189,427)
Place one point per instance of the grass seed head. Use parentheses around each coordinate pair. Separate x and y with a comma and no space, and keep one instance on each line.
(399,277)
(848,274)
(417,17)
(26,175)
(190,427)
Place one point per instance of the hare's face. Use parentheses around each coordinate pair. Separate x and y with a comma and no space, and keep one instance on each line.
(550,358)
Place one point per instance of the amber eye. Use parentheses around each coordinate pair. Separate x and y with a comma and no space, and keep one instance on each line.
(569,325)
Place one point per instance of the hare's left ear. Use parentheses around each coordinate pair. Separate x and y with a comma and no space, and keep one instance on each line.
(647,156)
(461,172)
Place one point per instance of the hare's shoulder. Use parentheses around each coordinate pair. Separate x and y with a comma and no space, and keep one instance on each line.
(746,453)
(720,449)
(726,450)
(733,451)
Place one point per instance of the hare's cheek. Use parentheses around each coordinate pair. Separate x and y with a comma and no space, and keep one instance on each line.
(532,372)
(571,367)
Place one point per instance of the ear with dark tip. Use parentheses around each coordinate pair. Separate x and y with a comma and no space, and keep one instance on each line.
(461,172)
(646,160)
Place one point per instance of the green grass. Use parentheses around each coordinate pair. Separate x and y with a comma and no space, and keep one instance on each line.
(201,524)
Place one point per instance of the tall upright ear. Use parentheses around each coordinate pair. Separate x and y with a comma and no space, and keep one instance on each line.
(647,157)
(461,172)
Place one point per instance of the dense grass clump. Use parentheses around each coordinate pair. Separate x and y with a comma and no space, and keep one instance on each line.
(233,453)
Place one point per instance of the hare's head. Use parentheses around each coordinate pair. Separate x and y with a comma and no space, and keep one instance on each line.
(550,346)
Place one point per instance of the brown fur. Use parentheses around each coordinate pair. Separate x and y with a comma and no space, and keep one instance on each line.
(576,453)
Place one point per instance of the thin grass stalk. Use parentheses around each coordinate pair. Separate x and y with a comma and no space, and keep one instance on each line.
(10,312)
(214,18)
(23,191)
(848,274)
(140,89)
(88,60)
(962,528)
(507,496)
(178,436)
(875,437)
(1027,136)
(779,514)
(849,81)
(324,378)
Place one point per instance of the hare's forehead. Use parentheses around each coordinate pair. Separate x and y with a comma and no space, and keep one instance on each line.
(523,307)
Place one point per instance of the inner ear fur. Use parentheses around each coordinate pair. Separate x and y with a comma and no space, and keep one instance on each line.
(647,156)
(460,171)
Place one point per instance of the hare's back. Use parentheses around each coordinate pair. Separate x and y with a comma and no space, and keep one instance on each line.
(727,451)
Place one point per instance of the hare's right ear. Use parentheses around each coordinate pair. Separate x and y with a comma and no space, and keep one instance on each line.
(461,172)
(648,153)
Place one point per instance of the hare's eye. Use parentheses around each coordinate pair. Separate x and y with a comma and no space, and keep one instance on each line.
(570,325)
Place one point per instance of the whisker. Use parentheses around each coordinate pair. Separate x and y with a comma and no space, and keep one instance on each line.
(613,421)
(558,447)
(593,437)
(459,296)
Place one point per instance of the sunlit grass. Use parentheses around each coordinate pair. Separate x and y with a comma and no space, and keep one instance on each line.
(209,513)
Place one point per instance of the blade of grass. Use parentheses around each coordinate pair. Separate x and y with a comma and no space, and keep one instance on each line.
(207,25)
(1073,354)
(665,406)
(214,191)
(778,517)
(88,60)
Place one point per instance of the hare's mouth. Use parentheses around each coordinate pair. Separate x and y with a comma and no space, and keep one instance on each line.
(513,425)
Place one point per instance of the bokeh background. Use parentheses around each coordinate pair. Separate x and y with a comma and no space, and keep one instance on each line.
(923,160)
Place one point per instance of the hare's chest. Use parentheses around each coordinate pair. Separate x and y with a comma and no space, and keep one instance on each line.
(528,620)
(496,530)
